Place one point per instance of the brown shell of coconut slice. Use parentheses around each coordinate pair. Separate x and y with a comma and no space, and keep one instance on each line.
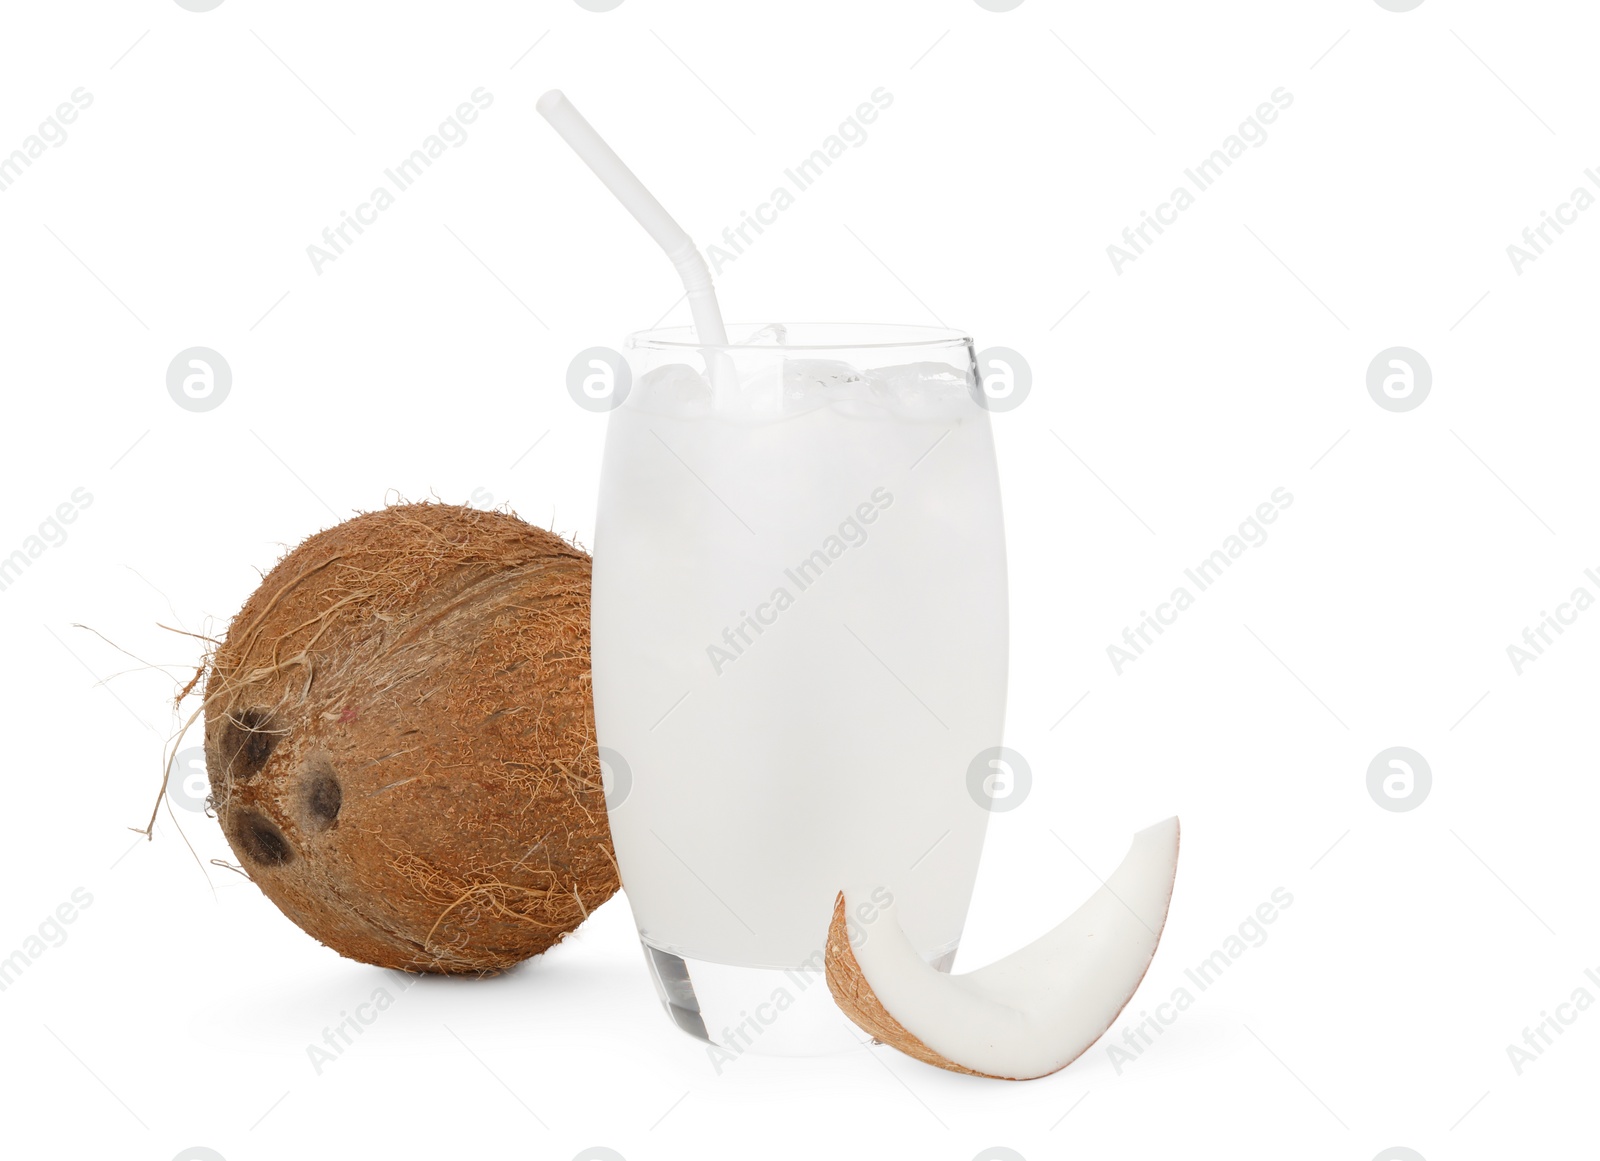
(1024,1016)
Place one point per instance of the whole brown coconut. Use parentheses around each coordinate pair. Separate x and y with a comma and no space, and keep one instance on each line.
(400,740)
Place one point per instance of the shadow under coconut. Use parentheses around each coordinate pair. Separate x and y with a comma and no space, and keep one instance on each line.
(1143,1042)
(575,976)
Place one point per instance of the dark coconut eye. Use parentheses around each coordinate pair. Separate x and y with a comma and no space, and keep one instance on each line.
(259,839)
(323,795)
(248,740)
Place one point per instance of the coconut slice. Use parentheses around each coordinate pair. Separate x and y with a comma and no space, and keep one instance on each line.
(1027,1015)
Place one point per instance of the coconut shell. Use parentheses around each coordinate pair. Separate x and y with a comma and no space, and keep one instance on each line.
(399,735)
(860,1003)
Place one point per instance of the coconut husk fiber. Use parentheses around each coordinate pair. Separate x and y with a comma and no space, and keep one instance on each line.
(399,736)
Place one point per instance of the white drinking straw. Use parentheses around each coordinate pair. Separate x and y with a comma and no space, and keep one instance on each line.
(642,204)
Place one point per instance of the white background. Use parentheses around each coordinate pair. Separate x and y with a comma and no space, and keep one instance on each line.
(1168,401)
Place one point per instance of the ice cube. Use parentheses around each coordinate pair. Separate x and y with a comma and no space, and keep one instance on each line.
(771,335)
(675,389)
(811,383)
(760,391)
(924,390)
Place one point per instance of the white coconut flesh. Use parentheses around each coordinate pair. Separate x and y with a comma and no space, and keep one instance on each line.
(1024,1016)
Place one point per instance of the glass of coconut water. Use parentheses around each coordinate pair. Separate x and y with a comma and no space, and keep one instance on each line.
(799,649)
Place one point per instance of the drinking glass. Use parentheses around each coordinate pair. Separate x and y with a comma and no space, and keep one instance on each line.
(799,635)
